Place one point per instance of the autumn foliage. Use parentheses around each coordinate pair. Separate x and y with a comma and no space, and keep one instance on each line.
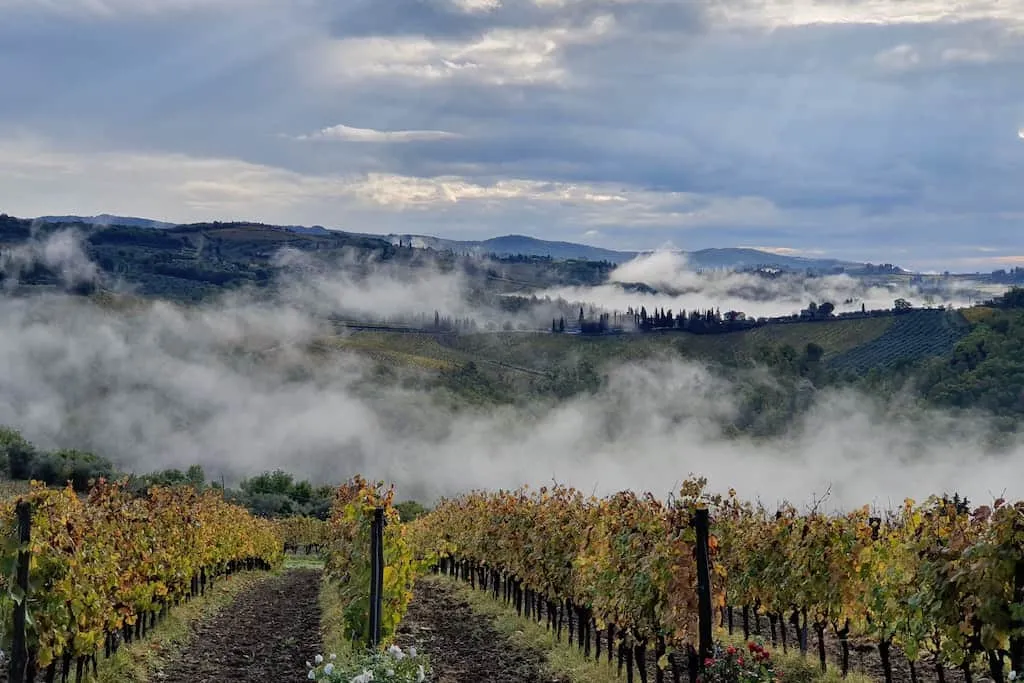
(102,563)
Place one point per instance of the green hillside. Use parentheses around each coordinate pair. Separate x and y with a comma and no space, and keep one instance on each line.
(543,352)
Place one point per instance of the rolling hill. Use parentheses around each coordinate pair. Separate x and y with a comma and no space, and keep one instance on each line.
(726,258)
(512,245)
(855,345)
(106,219)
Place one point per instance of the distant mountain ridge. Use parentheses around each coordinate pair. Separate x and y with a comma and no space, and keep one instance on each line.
(726,257)
(512,245)
(108,219)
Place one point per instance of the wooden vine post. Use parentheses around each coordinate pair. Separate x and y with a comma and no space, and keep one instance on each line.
(19,642)
(376,575)
(702,525)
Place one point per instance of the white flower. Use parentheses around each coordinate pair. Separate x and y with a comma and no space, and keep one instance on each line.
(329,669)
(364,677)
(412,650)
(312,675)
(333,657)
(421,675)
(396,652)
(389,672)
(1013,675)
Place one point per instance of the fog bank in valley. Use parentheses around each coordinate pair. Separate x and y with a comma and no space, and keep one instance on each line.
(680,286)
(231,385)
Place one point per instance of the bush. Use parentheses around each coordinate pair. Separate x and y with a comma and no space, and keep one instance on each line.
(16,454)
(78,467)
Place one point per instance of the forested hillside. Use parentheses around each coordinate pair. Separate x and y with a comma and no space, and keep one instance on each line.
(193,263)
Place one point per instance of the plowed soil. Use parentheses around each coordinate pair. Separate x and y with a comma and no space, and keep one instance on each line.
(464,646)
(267,634)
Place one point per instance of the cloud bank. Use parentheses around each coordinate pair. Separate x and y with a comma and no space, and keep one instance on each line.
(235,386)
(681,286)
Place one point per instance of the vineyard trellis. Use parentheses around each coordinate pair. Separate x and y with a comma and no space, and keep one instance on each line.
(85,575)
(933,580)
(626,567)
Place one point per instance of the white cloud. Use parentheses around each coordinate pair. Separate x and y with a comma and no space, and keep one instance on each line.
(345,133)
(397,191)
(786,251)
(783,13)
(170,185)
(38,178)
(499,57)
(899,58)
(477,6)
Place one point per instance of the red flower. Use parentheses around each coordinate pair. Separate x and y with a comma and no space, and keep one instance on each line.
(731,650)
(740,661)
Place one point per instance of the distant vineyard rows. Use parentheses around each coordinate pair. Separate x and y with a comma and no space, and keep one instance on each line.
(912,335)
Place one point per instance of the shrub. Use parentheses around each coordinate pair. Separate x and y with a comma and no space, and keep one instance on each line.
(394,665)
(734,665)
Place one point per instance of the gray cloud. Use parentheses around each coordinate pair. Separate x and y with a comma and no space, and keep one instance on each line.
(821,122)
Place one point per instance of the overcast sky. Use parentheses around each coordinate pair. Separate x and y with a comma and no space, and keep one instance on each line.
(885,130)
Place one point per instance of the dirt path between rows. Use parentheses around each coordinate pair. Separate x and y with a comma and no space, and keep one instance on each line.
(464,646)
(267,634)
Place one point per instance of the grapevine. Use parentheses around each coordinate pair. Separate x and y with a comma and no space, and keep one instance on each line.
(347,563)
(102,566)
(302,533)
(932,578)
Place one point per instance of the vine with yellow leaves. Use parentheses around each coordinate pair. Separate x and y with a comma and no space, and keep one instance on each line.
(347,564)
(622,566)
(933,579)
(105,566)
(307,534)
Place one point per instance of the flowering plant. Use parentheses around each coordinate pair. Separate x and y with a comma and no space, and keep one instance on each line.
(394,665)
(733,665)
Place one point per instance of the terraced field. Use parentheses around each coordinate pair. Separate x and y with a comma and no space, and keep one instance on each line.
(917,334)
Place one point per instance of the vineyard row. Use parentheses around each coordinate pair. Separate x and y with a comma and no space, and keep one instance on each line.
(934,578)
(99,571)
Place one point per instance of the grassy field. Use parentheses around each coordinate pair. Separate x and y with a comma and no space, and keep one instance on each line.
(977,314)
(414,350)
